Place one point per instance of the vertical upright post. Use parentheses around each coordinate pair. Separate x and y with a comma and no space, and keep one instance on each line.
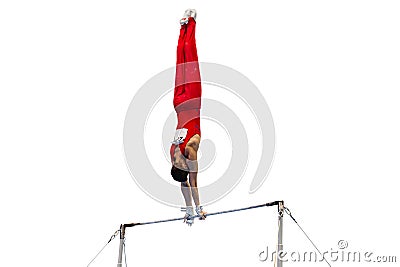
(279,247)
(121,244)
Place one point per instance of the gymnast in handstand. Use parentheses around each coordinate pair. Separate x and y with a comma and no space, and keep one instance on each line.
(187,104)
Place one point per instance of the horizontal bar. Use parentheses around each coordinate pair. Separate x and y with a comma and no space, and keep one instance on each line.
(274,203)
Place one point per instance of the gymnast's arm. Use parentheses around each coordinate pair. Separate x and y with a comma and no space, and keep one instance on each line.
(191,149)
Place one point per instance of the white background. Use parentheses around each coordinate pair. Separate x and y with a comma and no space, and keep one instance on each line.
(69,69)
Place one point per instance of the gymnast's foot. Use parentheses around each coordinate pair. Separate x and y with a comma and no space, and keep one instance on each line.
(202,214)
(189,13)
(193,13)
(185,18)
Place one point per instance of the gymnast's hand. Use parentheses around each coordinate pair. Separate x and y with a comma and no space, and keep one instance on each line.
(202,214)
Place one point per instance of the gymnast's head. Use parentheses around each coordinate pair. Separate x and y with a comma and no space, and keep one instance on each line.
(180,169)
(183,164)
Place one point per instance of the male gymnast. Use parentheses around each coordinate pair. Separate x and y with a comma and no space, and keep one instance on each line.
(187,104)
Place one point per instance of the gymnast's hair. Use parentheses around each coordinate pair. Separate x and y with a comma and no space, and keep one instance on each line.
(178,174)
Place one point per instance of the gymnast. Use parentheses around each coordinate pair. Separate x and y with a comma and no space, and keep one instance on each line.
(187,104)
